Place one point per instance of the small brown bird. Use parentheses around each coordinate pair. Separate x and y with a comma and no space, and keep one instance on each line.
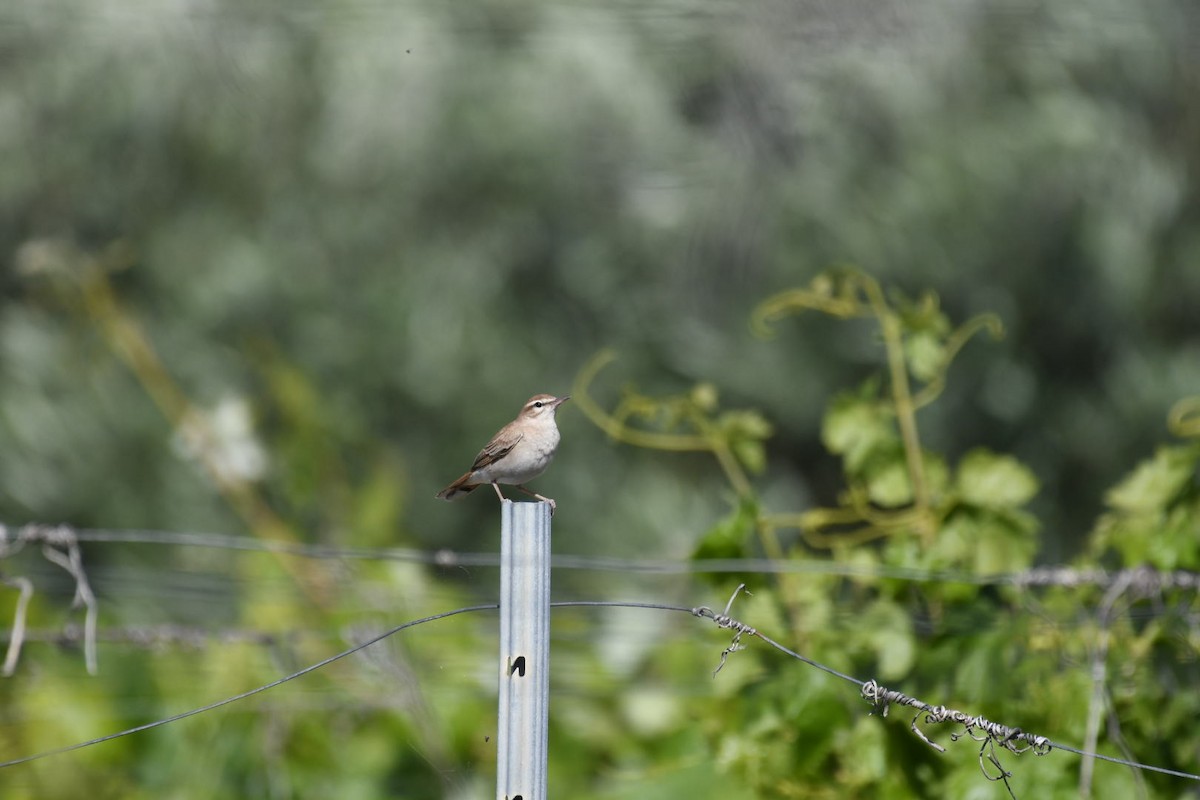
(517,454)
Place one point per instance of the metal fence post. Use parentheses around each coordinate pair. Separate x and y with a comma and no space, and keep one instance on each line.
(522,732)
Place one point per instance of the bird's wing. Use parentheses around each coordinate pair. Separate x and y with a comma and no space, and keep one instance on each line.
(495,450)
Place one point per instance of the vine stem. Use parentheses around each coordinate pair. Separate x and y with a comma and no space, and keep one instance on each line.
(906,413)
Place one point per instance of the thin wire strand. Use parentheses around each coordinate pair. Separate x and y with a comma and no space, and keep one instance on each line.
(1143,580)
(725,621)
(989,733)
(193,712)
(1122,762)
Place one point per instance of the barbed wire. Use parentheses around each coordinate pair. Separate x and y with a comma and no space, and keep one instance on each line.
(1143,580)
(60,546)
(989,734)
(150,636)
(992,736)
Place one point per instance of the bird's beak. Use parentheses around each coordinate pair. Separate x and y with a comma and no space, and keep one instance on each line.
(560,400)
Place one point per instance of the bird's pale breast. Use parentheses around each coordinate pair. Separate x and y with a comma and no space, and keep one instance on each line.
(528,459)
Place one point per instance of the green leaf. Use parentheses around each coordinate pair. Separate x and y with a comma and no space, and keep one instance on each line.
(727,539)
(937,476)
(891,638)
(925,355)
(1005,543)
(1156,481)
(855,427)
(889,485)
(983,665)
(748,424)
(990,480)
(752,454)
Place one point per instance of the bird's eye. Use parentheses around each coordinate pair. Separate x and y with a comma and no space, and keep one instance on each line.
(538,404)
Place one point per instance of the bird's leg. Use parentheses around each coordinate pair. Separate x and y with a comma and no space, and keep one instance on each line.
(553,505)
(496,486)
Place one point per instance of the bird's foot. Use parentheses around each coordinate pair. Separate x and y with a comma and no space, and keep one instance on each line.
(544,499)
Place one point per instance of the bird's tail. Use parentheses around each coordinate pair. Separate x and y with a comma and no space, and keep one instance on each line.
(457,489)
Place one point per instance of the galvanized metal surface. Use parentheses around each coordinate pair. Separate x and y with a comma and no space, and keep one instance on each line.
(524,651)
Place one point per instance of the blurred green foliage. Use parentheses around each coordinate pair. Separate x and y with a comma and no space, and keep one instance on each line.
(279,269)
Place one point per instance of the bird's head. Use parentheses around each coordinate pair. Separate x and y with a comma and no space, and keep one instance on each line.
(542,406)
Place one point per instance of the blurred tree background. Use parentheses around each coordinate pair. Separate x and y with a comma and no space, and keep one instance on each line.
(278,270)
